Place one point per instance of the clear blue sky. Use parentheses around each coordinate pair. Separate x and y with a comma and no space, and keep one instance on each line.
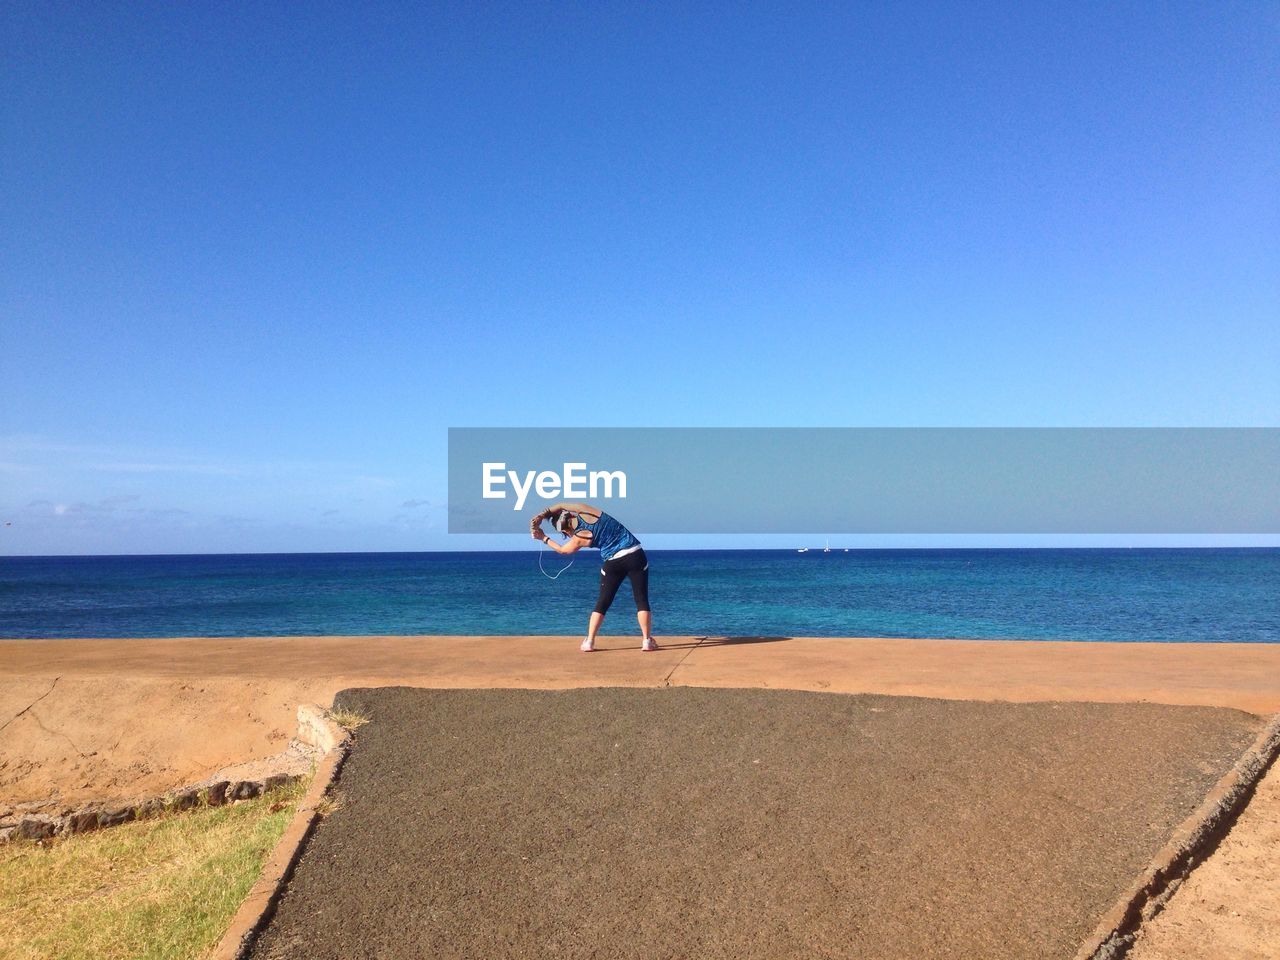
(257,258)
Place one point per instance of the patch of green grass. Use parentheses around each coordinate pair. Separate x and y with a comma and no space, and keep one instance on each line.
(158,889)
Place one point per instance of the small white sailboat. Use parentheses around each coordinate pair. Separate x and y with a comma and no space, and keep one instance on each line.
(827,548)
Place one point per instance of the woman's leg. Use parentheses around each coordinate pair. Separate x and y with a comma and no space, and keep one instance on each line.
(638,574)
(611,575)
(593,626)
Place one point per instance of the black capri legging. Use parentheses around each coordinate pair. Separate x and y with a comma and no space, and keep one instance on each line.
(635,567)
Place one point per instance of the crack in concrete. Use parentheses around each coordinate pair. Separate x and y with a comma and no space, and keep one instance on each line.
(58,733)
(32,703)
(667,680)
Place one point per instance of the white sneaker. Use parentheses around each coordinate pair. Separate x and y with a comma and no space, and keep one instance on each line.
(587,646)
(649,645)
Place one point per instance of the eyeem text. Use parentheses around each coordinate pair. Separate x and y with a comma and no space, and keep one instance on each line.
(576,481)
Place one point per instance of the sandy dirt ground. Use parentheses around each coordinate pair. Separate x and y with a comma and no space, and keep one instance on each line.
(1229,908)
(113,719)
(672,823)
(74,739)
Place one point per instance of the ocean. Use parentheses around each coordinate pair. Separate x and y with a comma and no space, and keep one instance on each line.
(1163,595)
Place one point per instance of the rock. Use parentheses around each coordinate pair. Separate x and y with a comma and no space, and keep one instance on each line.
(184,799)
(315,727)
(275,782)
(35,828)
(244,790)
(114,816)
(82,822)
(217,793)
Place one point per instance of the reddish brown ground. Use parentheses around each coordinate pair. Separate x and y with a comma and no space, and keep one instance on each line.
(85,719)
(1230,906)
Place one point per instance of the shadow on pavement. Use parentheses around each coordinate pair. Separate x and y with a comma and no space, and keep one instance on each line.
(720,642)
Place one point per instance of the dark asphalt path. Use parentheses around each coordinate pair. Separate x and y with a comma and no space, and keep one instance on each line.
(700,823)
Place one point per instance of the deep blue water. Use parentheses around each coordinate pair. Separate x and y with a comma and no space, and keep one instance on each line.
(1170,595)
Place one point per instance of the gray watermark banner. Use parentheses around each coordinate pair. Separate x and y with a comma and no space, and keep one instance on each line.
(872,480)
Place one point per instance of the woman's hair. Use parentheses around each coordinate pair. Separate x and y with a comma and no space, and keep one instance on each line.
(563,521)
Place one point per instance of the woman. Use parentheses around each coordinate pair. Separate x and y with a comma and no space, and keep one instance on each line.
(588,526)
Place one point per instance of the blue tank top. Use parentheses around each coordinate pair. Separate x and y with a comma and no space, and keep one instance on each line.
(608,535)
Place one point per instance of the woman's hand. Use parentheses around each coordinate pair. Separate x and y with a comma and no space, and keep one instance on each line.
(535,526)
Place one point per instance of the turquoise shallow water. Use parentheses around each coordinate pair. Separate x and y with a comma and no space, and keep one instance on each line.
(1164,595)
